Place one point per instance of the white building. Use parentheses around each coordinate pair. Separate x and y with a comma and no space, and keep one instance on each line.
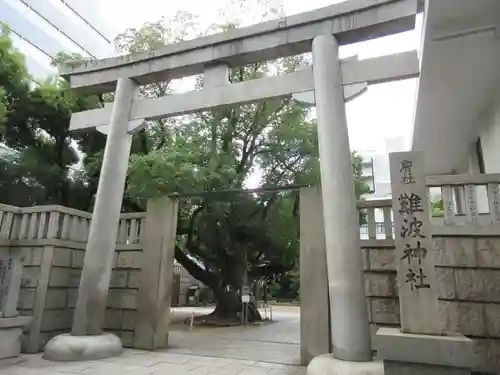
(376,172)
(457,118)
(457,111)
(43,28)
(377,175)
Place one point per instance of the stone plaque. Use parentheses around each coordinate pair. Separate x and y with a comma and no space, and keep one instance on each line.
(416,277)
(10,280)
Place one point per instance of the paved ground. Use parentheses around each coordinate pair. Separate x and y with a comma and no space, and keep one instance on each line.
(277,342)
(270,349)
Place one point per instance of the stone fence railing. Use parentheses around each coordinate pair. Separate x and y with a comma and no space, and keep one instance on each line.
(471,205)
(61,223)
(470,202)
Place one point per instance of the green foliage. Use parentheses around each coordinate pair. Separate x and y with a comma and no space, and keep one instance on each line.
(437,208)
(286,287)
(13,71)
(3,111)
(34,122)
(63,57)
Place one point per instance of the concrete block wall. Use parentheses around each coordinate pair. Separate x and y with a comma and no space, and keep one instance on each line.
(62,292)
(51,299)
(32,261)
(52,240)
(468,271)
(121,313)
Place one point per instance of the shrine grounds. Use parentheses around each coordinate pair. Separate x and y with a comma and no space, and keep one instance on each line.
(265,349)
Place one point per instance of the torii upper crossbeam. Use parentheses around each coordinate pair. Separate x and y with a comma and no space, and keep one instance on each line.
(350,21)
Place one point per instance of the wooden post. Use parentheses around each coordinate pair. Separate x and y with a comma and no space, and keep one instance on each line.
(155,288)
(418,299)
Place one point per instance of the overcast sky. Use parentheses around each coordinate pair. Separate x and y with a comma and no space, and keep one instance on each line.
(385,111)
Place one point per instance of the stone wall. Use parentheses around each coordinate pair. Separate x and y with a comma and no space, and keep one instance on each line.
(60,295)
(121,312)
(52,241)
(468,271)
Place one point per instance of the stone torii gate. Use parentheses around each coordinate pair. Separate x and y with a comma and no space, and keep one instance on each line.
(320,32)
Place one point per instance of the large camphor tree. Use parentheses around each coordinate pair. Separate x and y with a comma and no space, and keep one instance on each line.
(224,237)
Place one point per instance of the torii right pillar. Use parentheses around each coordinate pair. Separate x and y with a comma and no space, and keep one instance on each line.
(350,332)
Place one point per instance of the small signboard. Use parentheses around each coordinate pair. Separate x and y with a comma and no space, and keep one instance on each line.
(245,294)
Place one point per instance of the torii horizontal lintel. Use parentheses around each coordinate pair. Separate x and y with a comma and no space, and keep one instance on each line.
(350,21)
(375,70)
(133,126)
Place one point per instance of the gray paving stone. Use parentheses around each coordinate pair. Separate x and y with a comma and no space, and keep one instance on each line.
(269,349)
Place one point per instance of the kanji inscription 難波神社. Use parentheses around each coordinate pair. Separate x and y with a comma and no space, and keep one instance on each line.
(415,264)
(410,205)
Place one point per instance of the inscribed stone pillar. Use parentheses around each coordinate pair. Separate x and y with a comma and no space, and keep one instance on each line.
(91,305)
(348,311)
(314,310)
(418,298)
(155,288)
(419,347)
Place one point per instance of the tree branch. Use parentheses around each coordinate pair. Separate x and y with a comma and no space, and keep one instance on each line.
(296,206)
(268,270)
(232,120)
(206,277)
(250,138)
(196,212)
(270,202)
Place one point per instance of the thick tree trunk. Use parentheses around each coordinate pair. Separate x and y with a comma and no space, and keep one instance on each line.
(228,303)
(229,307)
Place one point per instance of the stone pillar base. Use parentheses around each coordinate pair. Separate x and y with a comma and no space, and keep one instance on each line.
(66,348)
(11,330)
(326,364)
(412,354)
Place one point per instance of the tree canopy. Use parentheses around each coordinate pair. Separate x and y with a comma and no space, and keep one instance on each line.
(34,122)
(221,235)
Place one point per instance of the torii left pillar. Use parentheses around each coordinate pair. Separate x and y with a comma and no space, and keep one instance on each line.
(87,340)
